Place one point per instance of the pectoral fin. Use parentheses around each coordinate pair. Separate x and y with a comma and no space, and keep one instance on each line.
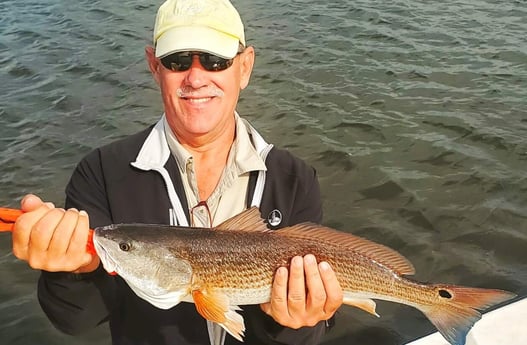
(365,304)
(215,307)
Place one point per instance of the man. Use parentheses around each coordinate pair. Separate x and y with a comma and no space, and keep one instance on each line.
(199,165)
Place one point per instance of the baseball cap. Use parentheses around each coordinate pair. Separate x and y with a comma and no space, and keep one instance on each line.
(212,26)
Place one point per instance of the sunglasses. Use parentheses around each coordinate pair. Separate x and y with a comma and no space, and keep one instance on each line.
(179,62)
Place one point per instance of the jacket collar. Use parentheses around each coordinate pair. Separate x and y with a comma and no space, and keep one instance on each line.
(155,151)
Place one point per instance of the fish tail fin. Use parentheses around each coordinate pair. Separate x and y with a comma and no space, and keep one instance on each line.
(456,310)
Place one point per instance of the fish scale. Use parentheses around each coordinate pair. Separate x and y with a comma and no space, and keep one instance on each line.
(243,264)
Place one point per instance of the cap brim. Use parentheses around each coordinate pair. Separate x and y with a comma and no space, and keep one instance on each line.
(184,38)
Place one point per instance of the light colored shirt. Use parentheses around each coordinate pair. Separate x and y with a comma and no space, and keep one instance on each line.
(230,195)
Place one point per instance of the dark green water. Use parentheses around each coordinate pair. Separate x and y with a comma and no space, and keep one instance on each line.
(413,112)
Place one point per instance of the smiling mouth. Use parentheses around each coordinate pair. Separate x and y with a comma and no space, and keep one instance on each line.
(197,100)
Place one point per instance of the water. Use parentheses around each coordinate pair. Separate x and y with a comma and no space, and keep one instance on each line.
(413,112)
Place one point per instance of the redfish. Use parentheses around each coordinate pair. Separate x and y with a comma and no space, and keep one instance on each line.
(233,264)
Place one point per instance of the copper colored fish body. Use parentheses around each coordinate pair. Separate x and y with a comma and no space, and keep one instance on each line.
(234,264)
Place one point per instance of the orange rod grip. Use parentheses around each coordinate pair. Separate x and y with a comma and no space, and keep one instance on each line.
(8,217)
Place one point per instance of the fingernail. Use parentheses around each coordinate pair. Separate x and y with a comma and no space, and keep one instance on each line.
(310,259)
(324,266)
(282,271)
(297,261)
(83,213)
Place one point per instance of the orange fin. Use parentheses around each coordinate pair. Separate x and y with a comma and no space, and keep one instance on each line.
(375,251)
(366,304)
(215,307)
(456,310)
(249,220)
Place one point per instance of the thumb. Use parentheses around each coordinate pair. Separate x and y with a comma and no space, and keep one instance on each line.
(30,203)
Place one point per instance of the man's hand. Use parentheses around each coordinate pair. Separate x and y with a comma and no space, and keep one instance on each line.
(52,239)
(306,295)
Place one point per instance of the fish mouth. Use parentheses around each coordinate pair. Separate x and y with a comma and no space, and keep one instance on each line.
(109,263)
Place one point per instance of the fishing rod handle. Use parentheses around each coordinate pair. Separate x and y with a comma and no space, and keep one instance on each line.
(8,217)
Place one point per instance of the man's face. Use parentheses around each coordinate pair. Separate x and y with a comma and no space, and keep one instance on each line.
(200,103)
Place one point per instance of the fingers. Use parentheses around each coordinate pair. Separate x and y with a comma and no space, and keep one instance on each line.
(296,297)
(79,240)
(311,293)
(315,286)
(278,304)
(323,297)
(52,239)
(23,229)
(63,233)
(288,294)
(332,288)
(41,236)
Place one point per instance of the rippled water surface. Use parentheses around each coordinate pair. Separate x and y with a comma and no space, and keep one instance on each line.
(413,112)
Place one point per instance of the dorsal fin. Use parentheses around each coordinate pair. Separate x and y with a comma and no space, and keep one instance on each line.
(375,251)
(248,220)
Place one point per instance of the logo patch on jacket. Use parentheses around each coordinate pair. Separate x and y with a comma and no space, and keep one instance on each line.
(274,218)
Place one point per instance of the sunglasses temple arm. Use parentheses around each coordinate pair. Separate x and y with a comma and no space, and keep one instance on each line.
(8,217)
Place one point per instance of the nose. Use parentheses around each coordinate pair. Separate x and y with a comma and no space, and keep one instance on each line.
(196,73)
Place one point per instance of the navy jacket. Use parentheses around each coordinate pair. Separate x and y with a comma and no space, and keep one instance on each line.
(112,190)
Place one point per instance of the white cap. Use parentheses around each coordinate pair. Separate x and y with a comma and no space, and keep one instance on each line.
(212,26)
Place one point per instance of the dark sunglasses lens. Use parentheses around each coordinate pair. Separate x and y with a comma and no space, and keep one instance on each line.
(214,63)
(177,62)
(182,61)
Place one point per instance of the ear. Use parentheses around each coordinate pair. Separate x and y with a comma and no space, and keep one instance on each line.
(246,66)
(153,62)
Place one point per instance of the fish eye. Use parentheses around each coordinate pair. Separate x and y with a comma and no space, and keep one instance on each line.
(445,294)
(125,246)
